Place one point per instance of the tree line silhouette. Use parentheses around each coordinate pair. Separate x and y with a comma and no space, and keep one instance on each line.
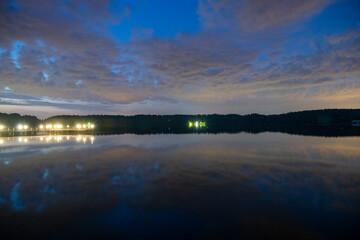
(14,119)
(327,122)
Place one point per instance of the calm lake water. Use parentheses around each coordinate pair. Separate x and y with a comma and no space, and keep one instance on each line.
(180,187)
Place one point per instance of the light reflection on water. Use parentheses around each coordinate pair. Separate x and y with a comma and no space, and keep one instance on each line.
(49,139)
(181,186)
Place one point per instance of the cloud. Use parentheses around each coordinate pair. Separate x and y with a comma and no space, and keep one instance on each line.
(203,70)
(15,53)
(254,15)
(64,50)
(48,106)
(7,89)
(78,83)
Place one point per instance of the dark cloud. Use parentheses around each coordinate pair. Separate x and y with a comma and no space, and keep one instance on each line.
(49,47)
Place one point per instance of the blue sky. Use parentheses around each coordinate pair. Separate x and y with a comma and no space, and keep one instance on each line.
(168,56)
(166,19)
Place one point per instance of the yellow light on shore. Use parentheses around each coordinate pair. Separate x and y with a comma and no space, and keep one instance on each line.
(52,127)
(58,126)
(1,141)
(1,127)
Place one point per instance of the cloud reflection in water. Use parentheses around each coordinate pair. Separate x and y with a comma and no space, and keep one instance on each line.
(226,183)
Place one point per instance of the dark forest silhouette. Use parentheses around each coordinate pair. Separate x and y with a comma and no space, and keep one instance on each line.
(328,122)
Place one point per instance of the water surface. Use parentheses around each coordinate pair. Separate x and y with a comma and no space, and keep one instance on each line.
(189,186)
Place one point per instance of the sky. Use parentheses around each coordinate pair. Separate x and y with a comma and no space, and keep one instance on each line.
(178,57)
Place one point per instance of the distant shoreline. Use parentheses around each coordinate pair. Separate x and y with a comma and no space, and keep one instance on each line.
(328,122)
